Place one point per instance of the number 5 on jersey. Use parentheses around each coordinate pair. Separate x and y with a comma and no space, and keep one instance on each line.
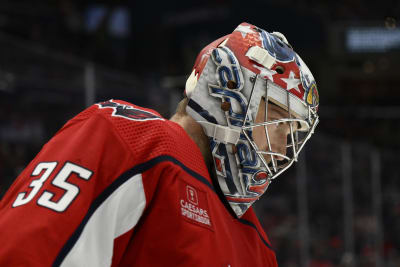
(60,181)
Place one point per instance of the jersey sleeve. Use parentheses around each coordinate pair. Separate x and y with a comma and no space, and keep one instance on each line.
(73,200)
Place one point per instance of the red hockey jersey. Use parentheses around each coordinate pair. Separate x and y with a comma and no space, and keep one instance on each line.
(119,185)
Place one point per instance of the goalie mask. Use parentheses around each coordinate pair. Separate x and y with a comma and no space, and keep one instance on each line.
(231,78)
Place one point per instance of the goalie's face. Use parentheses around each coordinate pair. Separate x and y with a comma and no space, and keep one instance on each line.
(272,138)
(277,133)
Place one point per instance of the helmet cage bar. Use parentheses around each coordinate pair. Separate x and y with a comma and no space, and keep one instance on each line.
(271,153)
(267,134)
(275,122)
(291,128)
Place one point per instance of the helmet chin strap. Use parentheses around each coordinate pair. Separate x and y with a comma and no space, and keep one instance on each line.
(220,133)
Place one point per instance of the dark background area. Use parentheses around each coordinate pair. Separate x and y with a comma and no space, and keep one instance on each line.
(57,57)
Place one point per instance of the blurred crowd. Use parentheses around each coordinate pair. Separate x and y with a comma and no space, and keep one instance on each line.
(135,45)
(126,34)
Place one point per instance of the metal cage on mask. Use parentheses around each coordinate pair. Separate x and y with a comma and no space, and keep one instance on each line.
(297,137)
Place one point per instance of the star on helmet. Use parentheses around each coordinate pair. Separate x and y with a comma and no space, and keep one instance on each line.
(292,82)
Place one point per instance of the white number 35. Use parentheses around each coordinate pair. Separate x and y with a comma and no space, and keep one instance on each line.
(60,181)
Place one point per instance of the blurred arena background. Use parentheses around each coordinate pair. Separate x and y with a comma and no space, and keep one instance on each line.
(341,207)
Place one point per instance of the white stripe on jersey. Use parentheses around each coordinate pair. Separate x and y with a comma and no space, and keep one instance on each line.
(118,214)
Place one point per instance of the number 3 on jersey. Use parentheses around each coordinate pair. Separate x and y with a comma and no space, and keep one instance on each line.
(60,181)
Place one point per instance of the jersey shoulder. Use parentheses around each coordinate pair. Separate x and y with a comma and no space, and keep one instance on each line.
(146,133)
(113,109)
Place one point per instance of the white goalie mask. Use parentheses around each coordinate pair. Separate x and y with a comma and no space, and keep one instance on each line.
(230,78)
